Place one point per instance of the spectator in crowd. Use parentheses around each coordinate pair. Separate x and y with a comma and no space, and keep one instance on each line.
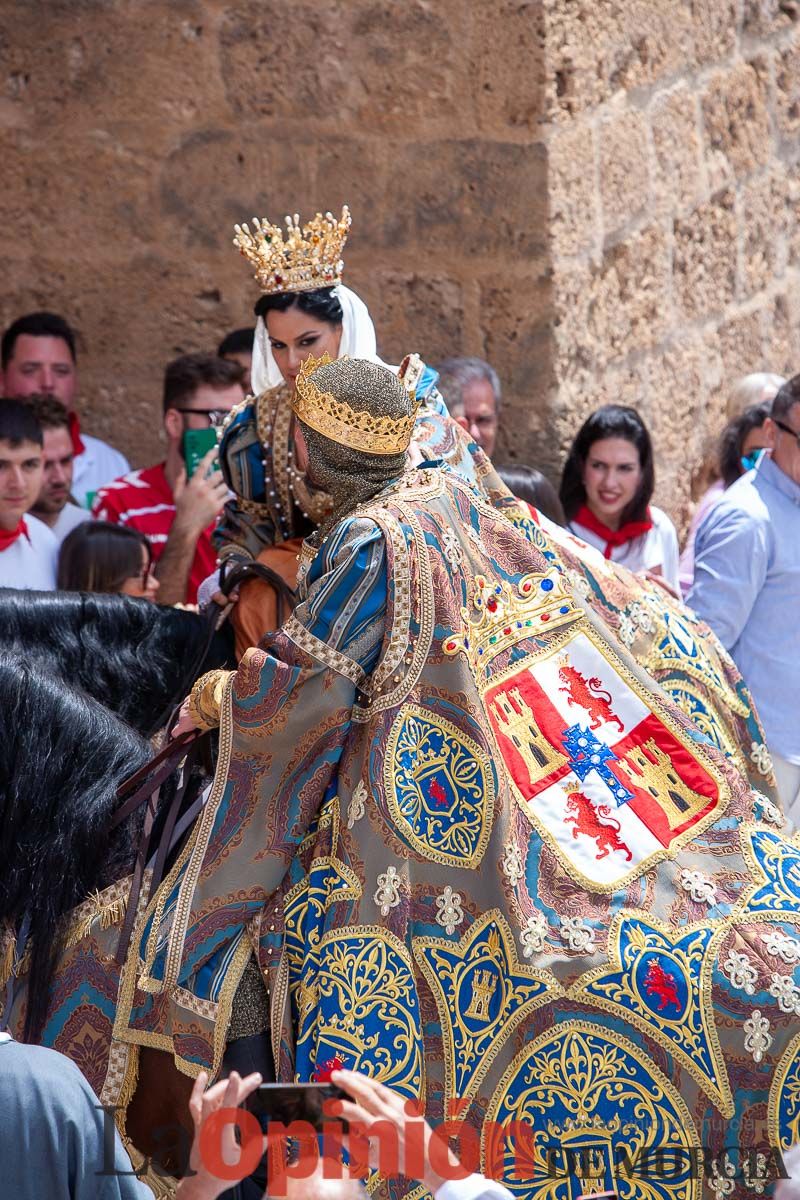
(606,487)
(471,390)
(28,549)
(747,585)
(101,557)
(176,514)
(53,504)
(753,389)
(38,354)
(237,346)
(736,451)
(533,488)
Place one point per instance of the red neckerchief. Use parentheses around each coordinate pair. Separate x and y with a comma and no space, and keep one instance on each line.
(612,537)
(9,536)
(75,433)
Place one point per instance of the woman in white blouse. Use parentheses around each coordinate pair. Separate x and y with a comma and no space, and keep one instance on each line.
(606,488)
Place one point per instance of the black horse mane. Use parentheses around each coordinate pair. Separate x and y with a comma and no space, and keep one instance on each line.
(62,759)
(138,659)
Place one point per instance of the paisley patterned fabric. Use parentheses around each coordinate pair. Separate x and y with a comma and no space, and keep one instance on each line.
(481,856)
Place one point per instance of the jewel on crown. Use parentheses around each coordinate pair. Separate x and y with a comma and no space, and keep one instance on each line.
(299,259)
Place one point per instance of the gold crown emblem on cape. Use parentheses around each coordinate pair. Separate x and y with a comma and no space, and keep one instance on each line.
(303,258)
(335,419)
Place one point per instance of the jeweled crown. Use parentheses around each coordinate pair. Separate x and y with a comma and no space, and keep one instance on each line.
(499,615)
(335,419)
(300,259)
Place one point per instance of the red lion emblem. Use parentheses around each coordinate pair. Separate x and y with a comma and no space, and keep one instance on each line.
(588,694)
(585,818)
(658,982)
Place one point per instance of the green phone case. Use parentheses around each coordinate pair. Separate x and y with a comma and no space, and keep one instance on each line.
(196,445)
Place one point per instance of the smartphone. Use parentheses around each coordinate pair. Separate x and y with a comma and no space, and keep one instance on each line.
(287,1102)
(196,445)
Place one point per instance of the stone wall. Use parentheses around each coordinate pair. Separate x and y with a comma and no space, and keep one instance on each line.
(598,196)
(136,132)
(673,139)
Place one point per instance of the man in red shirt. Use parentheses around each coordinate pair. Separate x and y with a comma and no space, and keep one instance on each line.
(176,514)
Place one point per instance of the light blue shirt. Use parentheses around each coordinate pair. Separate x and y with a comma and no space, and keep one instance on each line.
(747,588)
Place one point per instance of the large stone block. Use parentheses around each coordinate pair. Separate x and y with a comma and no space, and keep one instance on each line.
(476,199)
(765,218)
(736,121)
(782,330)
(506,54)
(714,26)
(787,89)
(621,305)
(515,317)
(704,258)
(624,168)
(594,50)
(574,203)
(582,392)
(741,345)
(372,62)
(678,182)
(765,18)
(413,311)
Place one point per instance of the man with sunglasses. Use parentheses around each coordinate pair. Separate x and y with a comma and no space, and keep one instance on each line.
(747,586)
(177,513)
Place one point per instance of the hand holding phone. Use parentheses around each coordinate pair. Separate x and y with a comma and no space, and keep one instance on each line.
(196,445)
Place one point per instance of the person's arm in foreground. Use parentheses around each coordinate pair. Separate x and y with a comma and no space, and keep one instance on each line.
(374,1105)
(730,566)
(228,1093)
(197,503)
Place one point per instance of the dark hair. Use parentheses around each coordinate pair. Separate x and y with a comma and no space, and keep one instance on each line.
(320,303)
(49,412)
(38,324)
(97,556)
(139,659)
(610,421)
(60,767)
(733,436)
(531,486)
(186,374)
(239,341)
(788,395)
(18,424)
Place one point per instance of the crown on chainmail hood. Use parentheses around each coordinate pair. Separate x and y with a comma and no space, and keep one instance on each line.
(366,390)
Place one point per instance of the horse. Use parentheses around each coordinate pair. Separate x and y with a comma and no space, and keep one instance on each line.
(70,844)
(137,658)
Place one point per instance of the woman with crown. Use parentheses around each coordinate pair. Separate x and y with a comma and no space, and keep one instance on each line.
(304,309)
(478,854)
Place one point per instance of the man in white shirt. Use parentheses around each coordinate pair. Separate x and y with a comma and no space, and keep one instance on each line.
(28,550)
(53,504)
(38,355)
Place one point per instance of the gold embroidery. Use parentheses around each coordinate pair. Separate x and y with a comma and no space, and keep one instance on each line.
(515,719)
(650,769)
(326,654)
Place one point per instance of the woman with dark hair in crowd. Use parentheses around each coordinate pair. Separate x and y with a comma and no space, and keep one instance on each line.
(534,489)
(738,449)
(100,557)
(138,659)
(606,488)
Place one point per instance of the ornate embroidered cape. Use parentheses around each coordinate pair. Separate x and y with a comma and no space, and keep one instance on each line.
(482,857)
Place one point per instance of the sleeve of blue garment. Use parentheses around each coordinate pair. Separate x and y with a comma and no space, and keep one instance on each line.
(731,560)
(345,594)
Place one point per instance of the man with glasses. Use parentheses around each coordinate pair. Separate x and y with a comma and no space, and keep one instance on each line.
(175,513)
(747,585)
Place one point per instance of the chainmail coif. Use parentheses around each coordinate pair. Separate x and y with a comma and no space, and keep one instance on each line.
(350,476)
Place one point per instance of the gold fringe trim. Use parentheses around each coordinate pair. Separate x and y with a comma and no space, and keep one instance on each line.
(108,914)
(8,957)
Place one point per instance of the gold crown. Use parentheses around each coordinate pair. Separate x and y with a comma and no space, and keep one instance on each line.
(307,257)
(335,419)
(499,616)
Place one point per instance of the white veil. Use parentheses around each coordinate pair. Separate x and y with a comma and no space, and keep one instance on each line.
(358,340)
